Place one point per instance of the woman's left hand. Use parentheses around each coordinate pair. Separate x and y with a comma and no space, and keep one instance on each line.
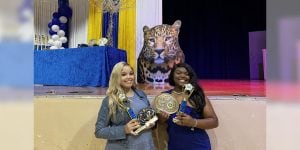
(184,120)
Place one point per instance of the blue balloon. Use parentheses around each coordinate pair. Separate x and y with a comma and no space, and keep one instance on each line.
(63,26)
(63,2)
(65,45)
(50,24)
(51,32)
(55,15)
(55,21)
(65,11)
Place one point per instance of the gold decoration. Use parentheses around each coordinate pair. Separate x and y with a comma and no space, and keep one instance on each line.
(146,117)
(166,102)
(112,6)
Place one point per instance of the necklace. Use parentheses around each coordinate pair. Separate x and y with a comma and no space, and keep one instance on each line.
(178,93)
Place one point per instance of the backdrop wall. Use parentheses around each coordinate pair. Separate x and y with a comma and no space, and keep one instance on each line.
(214,34)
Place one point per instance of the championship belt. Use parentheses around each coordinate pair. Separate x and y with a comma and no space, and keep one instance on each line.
(166,102)
(146,117)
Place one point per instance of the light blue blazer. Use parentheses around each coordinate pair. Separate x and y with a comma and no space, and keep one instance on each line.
(114,129)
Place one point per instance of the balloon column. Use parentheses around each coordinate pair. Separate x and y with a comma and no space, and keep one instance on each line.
(59,26)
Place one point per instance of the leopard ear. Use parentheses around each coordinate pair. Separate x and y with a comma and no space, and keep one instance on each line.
(145,28)
(177,24)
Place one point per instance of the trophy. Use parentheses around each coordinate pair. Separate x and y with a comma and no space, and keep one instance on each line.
(146,117)
(166,102)
(123,98)
(188,89)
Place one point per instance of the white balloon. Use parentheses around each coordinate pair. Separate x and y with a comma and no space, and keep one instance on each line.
(55,28)
(63,19)
(57,44)
(53,47)
(61,33)
(51,41)
(63,39)
(55,37)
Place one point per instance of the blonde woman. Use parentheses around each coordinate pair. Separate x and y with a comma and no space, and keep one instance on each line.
(116,118)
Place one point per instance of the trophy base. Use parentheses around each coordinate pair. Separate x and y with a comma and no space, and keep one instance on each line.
(147,124)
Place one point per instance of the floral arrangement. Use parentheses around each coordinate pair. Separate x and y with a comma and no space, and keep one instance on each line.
(102,41)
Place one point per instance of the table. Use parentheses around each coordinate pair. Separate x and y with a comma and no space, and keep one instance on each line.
(88,66)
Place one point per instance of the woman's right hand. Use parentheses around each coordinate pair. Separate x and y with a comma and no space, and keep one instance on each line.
(163,116)
(131,126)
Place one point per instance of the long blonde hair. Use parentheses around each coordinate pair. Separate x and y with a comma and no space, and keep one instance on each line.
(114,87)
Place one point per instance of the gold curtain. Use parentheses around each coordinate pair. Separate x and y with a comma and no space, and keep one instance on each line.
(94,20)
(126,33)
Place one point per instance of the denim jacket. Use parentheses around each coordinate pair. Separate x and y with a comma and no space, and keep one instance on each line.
(114,129)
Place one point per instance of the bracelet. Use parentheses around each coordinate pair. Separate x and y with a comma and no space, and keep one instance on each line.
(194,126)
(195,123)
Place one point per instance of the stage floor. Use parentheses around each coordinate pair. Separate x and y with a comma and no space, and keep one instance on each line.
(241,88)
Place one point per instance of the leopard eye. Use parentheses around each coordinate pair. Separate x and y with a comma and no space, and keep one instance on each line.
(168,38)
(151,40)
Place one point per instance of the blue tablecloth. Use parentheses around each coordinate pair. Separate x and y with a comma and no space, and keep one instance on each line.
(88,66)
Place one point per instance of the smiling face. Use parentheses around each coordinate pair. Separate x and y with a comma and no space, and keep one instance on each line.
(181,76)
(127,77)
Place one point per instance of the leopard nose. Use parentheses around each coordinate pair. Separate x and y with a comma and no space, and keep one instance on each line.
(159,51)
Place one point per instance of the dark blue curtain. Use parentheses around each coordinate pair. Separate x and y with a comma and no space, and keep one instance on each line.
(214,34)
(105,24)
